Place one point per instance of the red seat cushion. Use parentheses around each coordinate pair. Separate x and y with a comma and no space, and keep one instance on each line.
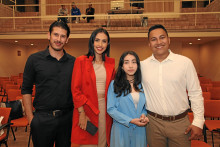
(20,122)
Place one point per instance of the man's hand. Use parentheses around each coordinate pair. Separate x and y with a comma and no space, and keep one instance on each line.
(30,118)
(196,132)
(27,101)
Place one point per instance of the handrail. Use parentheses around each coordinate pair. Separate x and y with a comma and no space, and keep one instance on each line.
(105,15)
(174,13)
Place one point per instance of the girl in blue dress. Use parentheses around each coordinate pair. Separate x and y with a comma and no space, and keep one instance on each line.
(126,104)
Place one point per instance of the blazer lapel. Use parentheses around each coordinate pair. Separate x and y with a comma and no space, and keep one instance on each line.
(109,71)
(140,103)
(91,71)
(131,102)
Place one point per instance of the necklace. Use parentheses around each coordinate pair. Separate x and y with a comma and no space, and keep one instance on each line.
(131,81)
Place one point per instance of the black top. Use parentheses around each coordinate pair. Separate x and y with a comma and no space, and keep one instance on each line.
(52,79)
(90,11)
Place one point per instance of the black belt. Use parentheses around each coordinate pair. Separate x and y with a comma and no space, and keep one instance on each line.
(168,118)
(54,112)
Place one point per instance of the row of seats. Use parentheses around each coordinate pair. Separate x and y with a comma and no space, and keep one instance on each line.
(212,109)
(11,91)
(212,122)
(211,94)
(209,86)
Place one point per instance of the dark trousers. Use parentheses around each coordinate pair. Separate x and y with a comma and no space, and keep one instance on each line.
(48,130)
(89,18)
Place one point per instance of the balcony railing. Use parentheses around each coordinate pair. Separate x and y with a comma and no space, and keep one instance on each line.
(122,18)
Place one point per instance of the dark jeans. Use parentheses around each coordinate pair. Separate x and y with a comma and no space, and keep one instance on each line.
(89,18)
(48,130)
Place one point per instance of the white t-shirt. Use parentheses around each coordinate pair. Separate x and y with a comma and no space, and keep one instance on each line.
(135,96)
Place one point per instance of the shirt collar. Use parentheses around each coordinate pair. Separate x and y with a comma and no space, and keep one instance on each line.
(47,54)
(169,57)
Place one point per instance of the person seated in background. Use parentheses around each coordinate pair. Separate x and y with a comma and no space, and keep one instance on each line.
(90,11)
(75,11)
(63,11)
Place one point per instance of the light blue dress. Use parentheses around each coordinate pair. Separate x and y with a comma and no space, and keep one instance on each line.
(122,110)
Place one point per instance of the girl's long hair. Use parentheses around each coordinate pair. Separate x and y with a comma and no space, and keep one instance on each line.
(121,84)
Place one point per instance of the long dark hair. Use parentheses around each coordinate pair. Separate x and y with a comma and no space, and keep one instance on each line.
(121,84)
(91,51)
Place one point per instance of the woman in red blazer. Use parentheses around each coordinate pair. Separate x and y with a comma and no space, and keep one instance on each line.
(91,77)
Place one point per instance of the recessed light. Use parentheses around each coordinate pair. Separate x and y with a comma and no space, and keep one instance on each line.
(190,43)
(198,39)
(32,44)
(16,41)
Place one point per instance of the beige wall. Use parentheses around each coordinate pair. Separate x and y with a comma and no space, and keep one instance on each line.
(77,47)
(192,51)
(210,61)
(10,63)
(205,58)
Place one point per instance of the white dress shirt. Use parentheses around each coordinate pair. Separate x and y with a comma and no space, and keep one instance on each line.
(166,85)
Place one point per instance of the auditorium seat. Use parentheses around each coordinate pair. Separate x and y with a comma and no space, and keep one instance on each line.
(215,92)
(216,83)
(206,95)
(212,111)
(204,87)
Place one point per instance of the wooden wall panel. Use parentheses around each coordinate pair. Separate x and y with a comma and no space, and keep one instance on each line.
(127,4)
(168,6)
(101,7)
(153,7)
(5,11)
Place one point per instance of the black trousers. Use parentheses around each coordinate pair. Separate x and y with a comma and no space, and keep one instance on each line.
(89,18)
(48,129)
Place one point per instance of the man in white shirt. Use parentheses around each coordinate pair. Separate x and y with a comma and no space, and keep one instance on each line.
(168,79)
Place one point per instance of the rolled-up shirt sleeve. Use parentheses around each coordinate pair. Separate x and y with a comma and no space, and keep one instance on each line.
(195,96)
(28,77)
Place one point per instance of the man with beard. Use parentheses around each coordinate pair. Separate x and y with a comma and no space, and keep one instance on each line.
(168,80)
(51,71)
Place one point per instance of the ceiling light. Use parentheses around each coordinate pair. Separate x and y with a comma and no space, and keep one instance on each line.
(32,44)
(190,43)
(198,39)
(16,41)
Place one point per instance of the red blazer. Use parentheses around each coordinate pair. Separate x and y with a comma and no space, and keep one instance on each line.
(84,93)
